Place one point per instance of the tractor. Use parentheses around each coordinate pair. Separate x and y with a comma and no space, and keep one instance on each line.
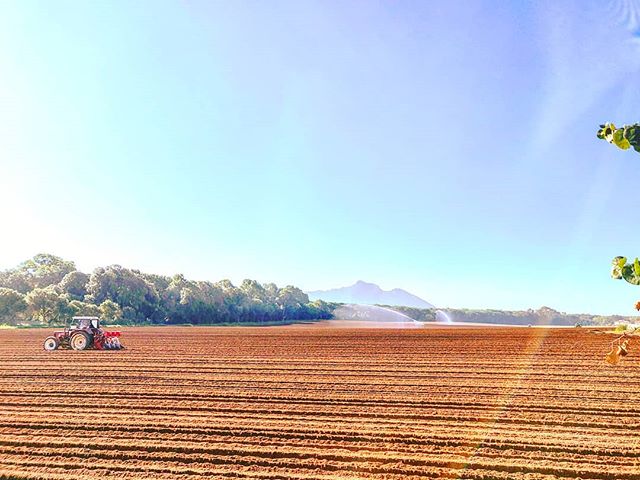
(84,335)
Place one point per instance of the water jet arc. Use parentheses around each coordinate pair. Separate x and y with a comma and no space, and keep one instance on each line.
(443,317)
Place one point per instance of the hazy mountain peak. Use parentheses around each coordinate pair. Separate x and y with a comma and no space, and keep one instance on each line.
(366,293)
(362,283)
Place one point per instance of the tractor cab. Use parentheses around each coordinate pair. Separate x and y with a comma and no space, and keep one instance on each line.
(86,323)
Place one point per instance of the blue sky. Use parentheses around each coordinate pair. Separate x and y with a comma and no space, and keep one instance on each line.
(447,148)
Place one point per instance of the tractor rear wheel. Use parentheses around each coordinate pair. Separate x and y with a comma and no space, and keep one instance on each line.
(80,341)
(51,344)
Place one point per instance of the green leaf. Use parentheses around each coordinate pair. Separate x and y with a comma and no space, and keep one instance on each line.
(619,140)
(616,267)
(632,133)
(629,275)
(621,269)
(625,137)
(630,272)
(608,132)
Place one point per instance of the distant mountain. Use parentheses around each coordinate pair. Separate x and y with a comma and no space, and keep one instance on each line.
(369,294)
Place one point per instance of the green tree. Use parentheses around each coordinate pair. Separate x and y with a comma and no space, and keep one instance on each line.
(257,302)
(319,309)
(55,290)
(74,284)
(254,290)
(12,306)
(47,305)
(83,309)
(42,303)
(203,302)
(233,300)
(110,311)
(14,280)
(43,270)
(290,300)
(166,301)
(127,288)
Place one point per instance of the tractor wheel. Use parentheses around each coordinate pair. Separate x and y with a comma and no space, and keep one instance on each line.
(51,344)
(80,341)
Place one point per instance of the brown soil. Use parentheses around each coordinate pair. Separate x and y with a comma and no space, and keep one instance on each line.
(320,403)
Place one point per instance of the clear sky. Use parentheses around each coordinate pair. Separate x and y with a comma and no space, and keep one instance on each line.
(447,148)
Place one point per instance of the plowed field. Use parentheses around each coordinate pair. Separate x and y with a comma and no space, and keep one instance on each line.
(321,403)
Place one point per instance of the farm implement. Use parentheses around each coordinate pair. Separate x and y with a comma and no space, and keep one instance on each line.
(85,335)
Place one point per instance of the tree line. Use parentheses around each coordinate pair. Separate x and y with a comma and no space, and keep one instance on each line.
(48,290)
(541,316)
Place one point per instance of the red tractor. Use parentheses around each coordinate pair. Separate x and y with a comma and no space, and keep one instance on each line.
(86,334)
